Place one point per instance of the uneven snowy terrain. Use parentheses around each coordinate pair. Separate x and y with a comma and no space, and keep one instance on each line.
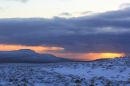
(110,72)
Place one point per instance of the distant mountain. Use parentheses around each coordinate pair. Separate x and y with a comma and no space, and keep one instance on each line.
(26,55)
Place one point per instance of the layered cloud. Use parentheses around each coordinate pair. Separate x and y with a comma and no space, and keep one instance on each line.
(97,33)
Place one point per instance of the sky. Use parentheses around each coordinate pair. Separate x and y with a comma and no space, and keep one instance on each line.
(76,29)
(51,8)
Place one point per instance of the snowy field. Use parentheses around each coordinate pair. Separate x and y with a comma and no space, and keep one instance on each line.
(113,72)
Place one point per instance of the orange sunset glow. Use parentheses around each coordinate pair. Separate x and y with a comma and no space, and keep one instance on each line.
(51,50)
(90,56)
(93,56)
(38,49)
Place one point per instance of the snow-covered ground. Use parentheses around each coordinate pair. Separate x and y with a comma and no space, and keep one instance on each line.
(111,72)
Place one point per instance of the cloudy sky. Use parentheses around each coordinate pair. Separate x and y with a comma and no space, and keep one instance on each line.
(78,29)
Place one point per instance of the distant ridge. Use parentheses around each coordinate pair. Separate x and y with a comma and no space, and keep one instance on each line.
(26,55)
(30,56)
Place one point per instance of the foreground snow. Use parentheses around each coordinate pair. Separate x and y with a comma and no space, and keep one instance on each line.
(112,72)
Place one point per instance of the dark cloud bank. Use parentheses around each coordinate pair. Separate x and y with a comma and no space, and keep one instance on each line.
(104,32)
